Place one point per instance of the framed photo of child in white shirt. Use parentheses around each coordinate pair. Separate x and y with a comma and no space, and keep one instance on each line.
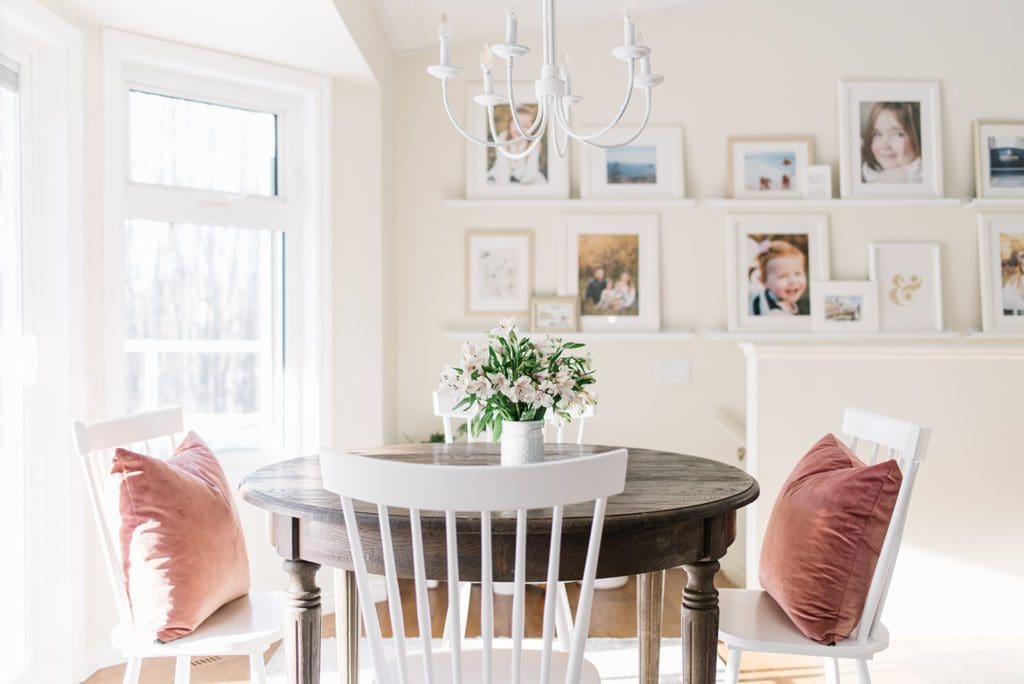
(524,168)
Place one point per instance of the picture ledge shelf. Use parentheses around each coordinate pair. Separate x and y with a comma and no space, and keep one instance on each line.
(726,202)
(812,336)
(588,336)
(1001,203)
(800,203)
(994,335)
(664,203)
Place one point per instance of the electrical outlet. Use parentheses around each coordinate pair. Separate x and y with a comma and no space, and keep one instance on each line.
(672,371)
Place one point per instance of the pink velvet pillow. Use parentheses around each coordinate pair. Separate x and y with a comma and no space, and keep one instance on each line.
(824,537)
(181,541)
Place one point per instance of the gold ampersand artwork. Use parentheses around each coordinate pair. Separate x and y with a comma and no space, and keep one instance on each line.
(904,289)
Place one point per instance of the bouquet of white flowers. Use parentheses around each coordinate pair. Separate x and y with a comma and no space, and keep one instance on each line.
(514,378)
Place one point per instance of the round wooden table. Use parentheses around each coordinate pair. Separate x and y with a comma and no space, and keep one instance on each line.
(675,510)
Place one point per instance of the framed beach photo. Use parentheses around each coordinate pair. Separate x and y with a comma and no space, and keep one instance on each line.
(847,306)
(890,139)
(767,166)
(772,261)
(489,173)
(499,272)
(1001,251)
(610,265)
(999,159)
(909,278)
(554,314)
(650,166)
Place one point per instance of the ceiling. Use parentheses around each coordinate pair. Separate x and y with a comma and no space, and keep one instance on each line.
(412,24)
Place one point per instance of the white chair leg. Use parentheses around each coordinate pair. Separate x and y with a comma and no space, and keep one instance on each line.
(863,676)
(257,668)
(132,669)
(732,668)
(563,618)
(832,670)
(182,669)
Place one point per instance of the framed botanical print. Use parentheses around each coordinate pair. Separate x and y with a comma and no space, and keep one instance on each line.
(909,278)
(1001,251)
(890,139)
(844,306)
(766,166)
(650,166)
(523,169)
(773,259)
(499,272)
(999,159)
(610,264)
(554,314)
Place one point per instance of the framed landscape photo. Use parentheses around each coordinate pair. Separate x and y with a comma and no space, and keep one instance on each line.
(610,265)
(773,259)
(650,166)
(849,306)
(538,173)
(999,159)
(499,272)
(554,314)
(765,166)
(1001,250)
(890,139)
(909,278)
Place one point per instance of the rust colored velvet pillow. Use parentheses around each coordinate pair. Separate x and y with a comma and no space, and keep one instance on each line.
(181,541)
(824,537)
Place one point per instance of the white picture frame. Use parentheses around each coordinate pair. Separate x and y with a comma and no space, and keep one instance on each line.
(844,306)
(541,174)
(1002,143)
(625,250)
(649,167)
(768,166)
(499,272)
(817,182)
(901,116)
(758,245)
(1001,265)
(909,277)
(550,314)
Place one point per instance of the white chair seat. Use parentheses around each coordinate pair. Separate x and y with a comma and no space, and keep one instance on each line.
(249,623)
(501,666)
(751,620)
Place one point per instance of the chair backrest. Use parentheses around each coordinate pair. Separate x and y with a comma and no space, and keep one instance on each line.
(95,443)
(444,402)
(562,430)
(906,444)
(483,490)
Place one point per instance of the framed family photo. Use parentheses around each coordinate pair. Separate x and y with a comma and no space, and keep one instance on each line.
(554,314)
(773,259)
(499,272)
(533,170)
(650,166)
(999,159)
(909,278)
(890,139)
(848,306)
(610,265)
(767,166)
(1001,251)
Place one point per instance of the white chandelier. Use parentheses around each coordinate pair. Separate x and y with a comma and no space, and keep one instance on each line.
(553,89)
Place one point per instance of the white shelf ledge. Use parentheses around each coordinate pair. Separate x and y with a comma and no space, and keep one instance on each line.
(812,336)
(1004,203)
(836,202)
(994,335)
(638,203)
(663,335)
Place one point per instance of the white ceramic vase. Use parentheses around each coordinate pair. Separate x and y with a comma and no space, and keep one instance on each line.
(522,442)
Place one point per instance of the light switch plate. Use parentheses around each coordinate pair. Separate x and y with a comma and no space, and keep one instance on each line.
(672,371)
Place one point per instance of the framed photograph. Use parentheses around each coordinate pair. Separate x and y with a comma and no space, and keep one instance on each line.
(650,166)
(890,139)
(554,314)
(909,277)
(499,272)
(540,173)
(610,265)
(999,159)
(768,166)
(773,259)
(844,306)
(1001,250)
(817,181)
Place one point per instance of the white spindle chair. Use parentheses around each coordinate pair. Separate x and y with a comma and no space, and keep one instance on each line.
(246,626)
(752,621)
(482,490)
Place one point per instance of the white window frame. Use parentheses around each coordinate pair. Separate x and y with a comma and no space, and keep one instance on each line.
(302,209)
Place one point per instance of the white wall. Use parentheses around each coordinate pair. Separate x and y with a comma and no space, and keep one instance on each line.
(733,67)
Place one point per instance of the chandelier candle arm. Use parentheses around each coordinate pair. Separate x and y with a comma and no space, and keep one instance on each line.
(618,117)
(472,138)
(563,122)
(535,131)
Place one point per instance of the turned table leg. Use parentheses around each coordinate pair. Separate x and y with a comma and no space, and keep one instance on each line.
(649,589)
(700,623)
(302,623)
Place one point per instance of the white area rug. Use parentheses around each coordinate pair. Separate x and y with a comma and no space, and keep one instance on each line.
(615,659)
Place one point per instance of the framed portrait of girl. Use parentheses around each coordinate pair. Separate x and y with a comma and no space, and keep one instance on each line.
(891,142)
